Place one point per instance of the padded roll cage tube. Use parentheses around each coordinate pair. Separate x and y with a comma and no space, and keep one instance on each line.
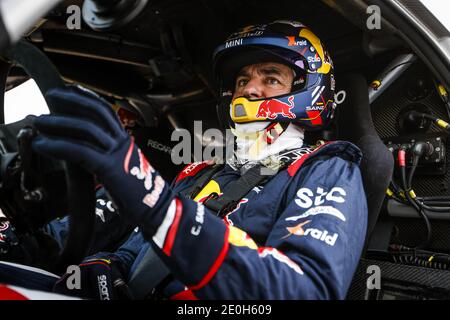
(391,73)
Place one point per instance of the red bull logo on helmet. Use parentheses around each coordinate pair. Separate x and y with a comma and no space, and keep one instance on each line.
(270,109)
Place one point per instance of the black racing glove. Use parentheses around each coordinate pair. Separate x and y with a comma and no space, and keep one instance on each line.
(101,278)
(8,238)
(86,131)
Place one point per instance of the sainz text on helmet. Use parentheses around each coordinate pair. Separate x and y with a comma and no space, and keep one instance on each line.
(310,104)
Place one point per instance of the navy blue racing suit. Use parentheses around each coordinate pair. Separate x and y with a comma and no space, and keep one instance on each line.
(299,236)
(110,231)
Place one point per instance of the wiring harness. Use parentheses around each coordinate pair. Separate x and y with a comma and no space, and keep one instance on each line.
(405,193)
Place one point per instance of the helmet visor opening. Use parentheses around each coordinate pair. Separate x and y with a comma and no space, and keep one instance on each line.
(230,63)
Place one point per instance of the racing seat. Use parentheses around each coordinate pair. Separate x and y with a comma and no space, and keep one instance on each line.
(354,124)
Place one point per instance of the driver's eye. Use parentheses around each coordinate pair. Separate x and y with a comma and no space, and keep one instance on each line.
(241,83)
(273,81)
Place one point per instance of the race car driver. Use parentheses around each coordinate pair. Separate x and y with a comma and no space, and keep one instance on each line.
(295,234)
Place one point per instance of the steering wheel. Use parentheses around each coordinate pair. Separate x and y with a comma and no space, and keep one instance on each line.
(80,184)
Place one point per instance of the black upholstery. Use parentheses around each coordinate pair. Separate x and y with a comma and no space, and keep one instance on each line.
(354,122)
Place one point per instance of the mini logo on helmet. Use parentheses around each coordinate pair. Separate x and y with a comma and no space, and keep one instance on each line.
(233,43)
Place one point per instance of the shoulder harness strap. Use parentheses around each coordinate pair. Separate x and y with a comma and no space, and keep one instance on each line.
(256,176)
(205,176)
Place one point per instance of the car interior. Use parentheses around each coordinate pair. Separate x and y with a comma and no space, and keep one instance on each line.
(153,61)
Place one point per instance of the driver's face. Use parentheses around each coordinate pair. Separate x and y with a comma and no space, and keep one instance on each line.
(263,80)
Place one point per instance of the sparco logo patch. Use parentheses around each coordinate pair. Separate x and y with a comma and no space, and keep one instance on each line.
(103,287)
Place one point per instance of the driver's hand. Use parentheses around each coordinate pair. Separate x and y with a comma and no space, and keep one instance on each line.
(100,279)
(8,238)
(85,130)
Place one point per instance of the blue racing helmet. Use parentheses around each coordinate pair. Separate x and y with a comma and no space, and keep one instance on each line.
(310,104)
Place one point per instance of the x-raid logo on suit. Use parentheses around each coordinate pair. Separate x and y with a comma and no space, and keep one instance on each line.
(307,199)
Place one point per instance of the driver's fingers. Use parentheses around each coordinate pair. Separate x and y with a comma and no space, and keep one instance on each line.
(80,103)
(74,128)
(70,150)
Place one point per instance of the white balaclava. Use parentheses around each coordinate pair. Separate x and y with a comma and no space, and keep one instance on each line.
(251,145)
(251,149)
